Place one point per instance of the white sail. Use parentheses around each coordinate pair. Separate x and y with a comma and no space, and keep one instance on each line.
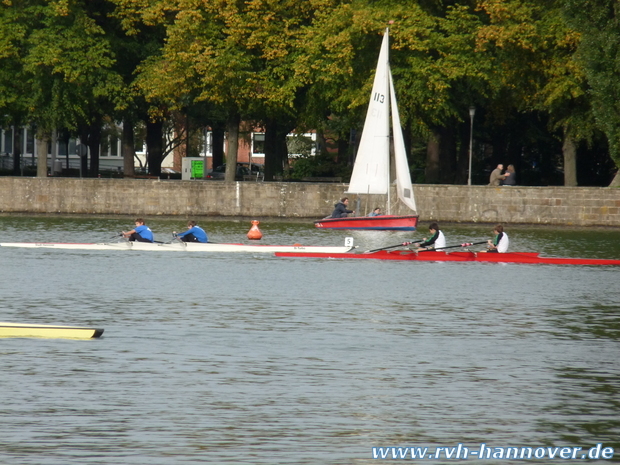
(403,178)
(371,174)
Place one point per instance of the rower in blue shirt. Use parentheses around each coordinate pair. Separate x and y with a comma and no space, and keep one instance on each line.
(194,233)
(141,233)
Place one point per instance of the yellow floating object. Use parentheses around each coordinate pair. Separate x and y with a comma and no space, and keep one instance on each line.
(49,331)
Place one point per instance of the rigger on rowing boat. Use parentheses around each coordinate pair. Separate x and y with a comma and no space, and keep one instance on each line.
(497,252)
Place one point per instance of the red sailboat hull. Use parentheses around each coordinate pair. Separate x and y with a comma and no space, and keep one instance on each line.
(480,257)
(383,222)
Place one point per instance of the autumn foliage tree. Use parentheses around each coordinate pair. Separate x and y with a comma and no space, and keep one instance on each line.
(541,75)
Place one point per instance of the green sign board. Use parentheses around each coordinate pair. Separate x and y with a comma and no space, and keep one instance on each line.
(198,168)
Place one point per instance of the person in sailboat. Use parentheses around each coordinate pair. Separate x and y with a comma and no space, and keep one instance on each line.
(141,233)
(375,212)
(194,233)
(436,241)
(500,243)
(340,210)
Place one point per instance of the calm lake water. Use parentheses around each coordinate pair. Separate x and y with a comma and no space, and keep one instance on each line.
(249,358)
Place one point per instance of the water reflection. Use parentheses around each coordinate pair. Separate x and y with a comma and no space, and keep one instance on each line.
(581,322)
(587,409)
(254,359)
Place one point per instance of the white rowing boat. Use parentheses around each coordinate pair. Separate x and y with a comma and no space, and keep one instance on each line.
(177,246)
(49,331)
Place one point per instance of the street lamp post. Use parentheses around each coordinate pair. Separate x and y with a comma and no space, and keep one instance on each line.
(472,112)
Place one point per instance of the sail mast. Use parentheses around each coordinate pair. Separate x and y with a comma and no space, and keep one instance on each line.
(386,39)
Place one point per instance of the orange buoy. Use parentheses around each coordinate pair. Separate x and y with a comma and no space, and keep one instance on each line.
(254,233)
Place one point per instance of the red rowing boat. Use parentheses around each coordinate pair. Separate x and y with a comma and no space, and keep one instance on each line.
(382,222)
(480,257)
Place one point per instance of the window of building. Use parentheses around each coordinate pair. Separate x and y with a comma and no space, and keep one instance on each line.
(258,143)
(30,140)
(8,140)
(113,146)
(105,146)
(207,143)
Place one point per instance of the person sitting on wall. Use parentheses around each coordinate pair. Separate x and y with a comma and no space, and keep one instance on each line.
(141,233)
(375,212)
(194,233)
(436,241)
(340,210)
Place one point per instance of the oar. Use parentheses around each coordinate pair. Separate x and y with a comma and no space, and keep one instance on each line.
(466,244)
(175,239)
(402,244)
(116,236)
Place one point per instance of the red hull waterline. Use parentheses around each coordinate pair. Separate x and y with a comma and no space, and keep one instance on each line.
(510,257)
(383,222)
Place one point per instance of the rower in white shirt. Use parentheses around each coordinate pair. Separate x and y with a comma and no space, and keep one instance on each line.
(436,241)
(500,243)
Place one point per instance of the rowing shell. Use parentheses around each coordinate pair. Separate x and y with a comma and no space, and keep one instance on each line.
(182,247)
(49,331)
(510,257)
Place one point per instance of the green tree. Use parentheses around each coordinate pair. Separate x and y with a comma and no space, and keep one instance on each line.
(62,63)
(15,96)
(242,58)
(599,52)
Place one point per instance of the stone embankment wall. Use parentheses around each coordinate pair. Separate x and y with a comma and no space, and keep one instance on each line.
(583,206)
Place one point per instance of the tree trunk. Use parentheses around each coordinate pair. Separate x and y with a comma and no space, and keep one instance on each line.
(65,136)
(441,156)
(154,146)
(447,155)
(94,145)
(273,165)
(462,165)
(276,149)
(232,127)
(282,148)
(354,144)
(42,140)
(128,148)
(432,158)
(54,141)
(569,150)
(83,161)
(217,139)
(17,151)
(181,132)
